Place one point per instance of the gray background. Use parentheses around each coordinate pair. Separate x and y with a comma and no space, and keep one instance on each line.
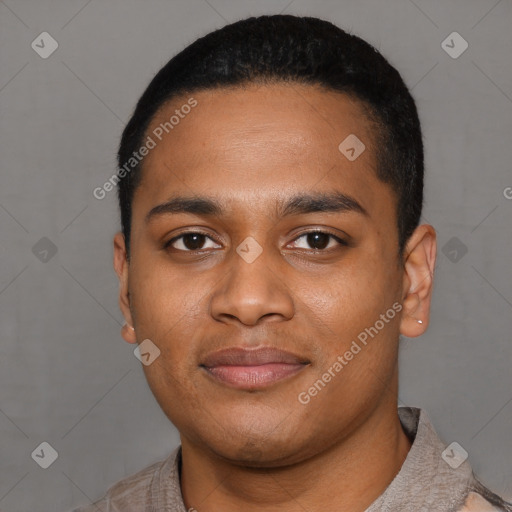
(66,375)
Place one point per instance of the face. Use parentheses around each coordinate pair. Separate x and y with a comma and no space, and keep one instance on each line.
(257,288)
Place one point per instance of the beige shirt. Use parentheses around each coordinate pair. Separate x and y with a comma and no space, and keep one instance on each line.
(433,478)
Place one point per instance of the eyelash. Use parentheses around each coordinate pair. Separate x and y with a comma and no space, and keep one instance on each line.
(340,241)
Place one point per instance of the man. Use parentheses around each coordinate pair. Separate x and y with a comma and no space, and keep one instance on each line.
(271,186)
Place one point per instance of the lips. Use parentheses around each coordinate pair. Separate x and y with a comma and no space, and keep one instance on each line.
(252,368)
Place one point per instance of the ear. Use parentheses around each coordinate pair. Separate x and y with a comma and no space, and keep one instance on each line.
(418,279)
(121,267)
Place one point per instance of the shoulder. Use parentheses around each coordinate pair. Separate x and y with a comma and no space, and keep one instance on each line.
(481,499)
(131,494)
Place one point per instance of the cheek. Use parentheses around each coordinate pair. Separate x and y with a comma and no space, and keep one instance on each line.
(345,311)
(350,298)
(166,313)
(161,298)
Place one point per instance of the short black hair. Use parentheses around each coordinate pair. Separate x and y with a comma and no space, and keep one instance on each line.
(303,50)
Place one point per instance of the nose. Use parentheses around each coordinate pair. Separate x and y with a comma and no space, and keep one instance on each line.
(252,293)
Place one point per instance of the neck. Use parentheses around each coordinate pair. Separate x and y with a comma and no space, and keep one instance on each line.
(348,476)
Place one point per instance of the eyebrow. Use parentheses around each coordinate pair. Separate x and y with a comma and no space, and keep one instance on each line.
(297,205)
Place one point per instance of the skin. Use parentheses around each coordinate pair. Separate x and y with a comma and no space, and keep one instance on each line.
(263,450)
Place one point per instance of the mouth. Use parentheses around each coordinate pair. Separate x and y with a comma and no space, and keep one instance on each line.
(251,369)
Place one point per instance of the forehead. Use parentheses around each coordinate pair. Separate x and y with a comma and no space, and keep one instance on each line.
(260,140)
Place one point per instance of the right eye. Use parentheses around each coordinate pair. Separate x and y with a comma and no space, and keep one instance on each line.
(190,241)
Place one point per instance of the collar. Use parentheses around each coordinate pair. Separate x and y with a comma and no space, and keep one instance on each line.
(425,481)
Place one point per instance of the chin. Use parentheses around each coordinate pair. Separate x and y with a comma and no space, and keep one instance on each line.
(258,451)
(252,457)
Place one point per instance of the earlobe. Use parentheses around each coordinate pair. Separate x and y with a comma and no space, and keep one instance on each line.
(128,333)
(121,267)
(418,281)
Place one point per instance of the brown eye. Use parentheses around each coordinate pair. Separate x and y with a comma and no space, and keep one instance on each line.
(318,241)
(191,241)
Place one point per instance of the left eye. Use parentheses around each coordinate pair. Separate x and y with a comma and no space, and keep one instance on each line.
(320,240)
